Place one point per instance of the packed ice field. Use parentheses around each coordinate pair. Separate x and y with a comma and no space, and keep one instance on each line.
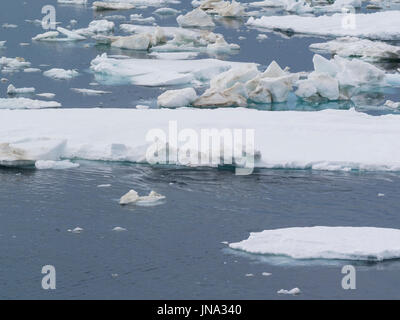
(359,53)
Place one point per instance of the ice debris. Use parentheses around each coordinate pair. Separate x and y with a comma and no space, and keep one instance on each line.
(177,98)
(133,197)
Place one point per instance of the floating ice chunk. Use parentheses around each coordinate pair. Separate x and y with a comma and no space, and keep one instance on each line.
(294,291)
(32,70)
(56,165)
(361,48)
(96,27)
(9,26)
(27,152)
(349,243)
(174,55)
(196,18)
(133,197)
(392,104)
(11,90)
(249,275)
(379,25)
(119,229)
(266,274)
(76,230)
(102,5)
(223,8)
(72,1)
(104,185)
(61,74)
(152,72)
(139,18)
(25,103)
(90,92)
(338,6)
(177,98)
(262,36)
(166,11)
(2,43)
(46,36)
(135,42)
(46,95)
(9,65)
(142,107)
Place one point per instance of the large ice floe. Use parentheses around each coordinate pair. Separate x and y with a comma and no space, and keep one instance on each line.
(360,48)
(348,243)
(323,140)
(25,103)
(151,72)
(173,39)
(380,25)
(104,5)
(221,7)
(196,18)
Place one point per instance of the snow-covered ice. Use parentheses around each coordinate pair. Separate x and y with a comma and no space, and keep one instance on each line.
(89,92)
(11,90)
(133,197)
(152,72)
(177,98)
(55,165)
(379,25)
(61,74)
(196,18)
(294,291)
(323,140)
(25,103)
(104,5)
(348,243)
(361,48)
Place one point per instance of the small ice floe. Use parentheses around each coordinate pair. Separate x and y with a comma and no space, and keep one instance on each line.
(76,230)
(104,185)
(292,6)
(2,44)
(261,36)
(138,18)
(72,1)
(4,80)
(360,48)
(157,72)
(392,105)
(55,165)
(61,74)
(24,44)
(46,95)
(241,85)
(90,92)
(32,70)
(103,5)
(10,65)
(381,194)
(340,79)
(249,275)
(294,291)
(142,107)
(119,229)
(225,242)
(25,103)
(52,36)
(196,18)
(177,98)
(344,243)
(223,8)
(9,26)
(96,27)
(377,26)
(242,38)
(266,274)
(11,90)
(166,11)
(133,197)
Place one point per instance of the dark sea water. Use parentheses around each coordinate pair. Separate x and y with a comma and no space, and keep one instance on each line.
(175,250)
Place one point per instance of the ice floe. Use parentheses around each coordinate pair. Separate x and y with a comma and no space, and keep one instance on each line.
(133,197)
(103,5)
(53,36)
(72,1)
(90,92)
(166,11)
(152,72)
(379,25)
(349,243)
(340,79)
(174,55)
(294,291)
(177,98)
(9,65)
(392,105)
(323,140)
(119,229)
(223,8)
(55,165)
(360,48)
(241,85)
(76,230)
(61,74)
(46,95)
(196,18)
(2,43)
(25,103)
(11,90)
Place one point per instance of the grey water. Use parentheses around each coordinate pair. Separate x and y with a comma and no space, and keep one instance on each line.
(175,250)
